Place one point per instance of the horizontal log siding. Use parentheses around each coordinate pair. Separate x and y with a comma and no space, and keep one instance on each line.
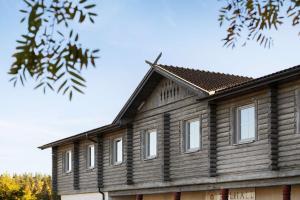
(54,171)
(146,170)
(76,163)
(182,165)
(289,140)
(113,174)
(87,177)
(187,165)
(242,158)
(64,181)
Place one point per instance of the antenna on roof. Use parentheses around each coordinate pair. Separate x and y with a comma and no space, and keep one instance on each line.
(156,60)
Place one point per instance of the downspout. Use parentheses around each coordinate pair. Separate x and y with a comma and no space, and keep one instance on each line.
(102,193)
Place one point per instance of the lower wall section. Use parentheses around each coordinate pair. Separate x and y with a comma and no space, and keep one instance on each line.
(167,196)
(295,194)
(193,196)
(270,193)
(87,196)
(259,193)
(122,198)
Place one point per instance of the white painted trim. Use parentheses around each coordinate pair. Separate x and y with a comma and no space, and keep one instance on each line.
(86,196)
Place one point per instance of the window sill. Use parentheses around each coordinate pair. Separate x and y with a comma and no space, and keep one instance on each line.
(90,169)
(192,151)
(67,173)
(245,142)
(117,163)
(150,158)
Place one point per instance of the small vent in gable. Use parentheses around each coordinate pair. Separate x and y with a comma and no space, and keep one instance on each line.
(169,92)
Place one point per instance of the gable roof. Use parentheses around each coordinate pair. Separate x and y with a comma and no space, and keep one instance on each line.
(199,81)
(206,80)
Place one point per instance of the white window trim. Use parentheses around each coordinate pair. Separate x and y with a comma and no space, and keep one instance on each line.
(186,132)
(69,170)
(238,125)
(89,157)
(115,152)
(146,151)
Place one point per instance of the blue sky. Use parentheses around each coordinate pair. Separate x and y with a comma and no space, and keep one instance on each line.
(127,32)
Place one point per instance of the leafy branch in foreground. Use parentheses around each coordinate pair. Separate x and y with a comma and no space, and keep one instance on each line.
(251,19)
(50,52)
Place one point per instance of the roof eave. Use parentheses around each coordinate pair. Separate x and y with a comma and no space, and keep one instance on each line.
(87,134)
(254,84)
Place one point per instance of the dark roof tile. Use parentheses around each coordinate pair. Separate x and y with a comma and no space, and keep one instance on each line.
(209,81)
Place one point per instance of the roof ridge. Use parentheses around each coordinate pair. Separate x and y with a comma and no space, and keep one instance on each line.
(205,71)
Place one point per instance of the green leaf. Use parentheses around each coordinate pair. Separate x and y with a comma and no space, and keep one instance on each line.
(62,85)
(76,75)
(89,6)
(39,85)
(82,1)
(23,11)
(22,20)
(77,82)
(92,14)
(77,89)
(92,20)
(96,50)
(28,4)
(76,38)
(50,86)
(66,89)
(81,18)
(70,95)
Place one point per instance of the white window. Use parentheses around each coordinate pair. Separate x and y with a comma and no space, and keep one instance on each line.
(192,135)
(67,161)
(91,156)
(150,144)
(246,123)
(117,151)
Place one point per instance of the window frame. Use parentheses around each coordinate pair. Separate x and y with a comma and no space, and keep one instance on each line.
(238,124)
(89,160)
(147,145)
(187,133)
(115,151)
(70,160)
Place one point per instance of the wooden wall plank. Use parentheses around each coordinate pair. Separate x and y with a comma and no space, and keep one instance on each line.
(273,128)
(166,147)
(129,147)
(76,180)
(54,171)
(100,160)
(212,137)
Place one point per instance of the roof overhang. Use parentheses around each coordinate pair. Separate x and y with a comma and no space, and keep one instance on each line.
(84,135)
(265,81)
